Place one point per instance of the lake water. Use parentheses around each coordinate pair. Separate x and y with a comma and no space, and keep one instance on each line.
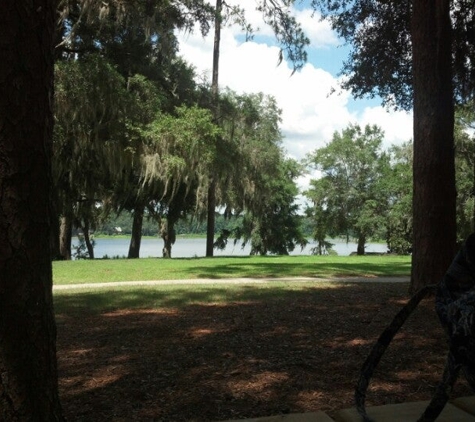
(187,248)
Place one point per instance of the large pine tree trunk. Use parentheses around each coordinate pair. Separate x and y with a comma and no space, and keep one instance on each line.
(28,375)
(136,239)
(434,173)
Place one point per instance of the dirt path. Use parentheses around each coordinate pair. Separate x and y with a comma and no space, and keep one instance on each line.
(234,281)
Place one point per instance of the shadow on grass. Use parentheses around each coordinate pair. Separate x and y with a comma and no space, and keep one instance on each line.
(176,296)
(320,268)
(84,271)
(175,356)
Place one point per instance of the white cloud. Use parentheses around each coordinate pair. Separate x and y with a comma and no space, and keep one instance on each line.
(397,125)
(317,30)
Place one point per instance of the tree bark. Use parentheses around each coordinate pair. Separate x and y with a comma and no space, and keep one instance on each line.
(215,94)
(136,239)
(55,230)
(211,219)
(65,237)
(54,237)
(28,374)
(87,239)
(434,169)
(361,245)
(168,234)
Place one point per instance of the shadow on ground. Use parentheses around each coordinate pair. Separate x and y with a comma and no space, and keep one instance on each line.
(278,353)
(274,268)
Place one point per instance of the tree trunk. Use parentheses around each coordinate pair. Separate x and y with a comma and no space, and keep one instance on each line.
(65,237)
(168,234)
(28,374)
(136,239)
(215,94)
(55,230)
(361,245)
(54,237)
(211,220)
(434,169)
(87,239)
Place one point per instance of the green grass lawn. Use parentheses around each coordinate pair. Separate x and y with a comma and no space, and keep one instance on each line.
(101,271)
(96,300)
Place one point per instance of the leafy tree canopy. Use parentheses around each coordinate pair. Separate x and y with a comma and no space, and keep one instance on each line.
(349,197)
(380,62)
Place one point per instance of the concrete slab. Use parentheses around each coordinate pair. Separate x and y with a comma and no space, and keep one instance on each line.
(405,412)
(465,403)
(292,417)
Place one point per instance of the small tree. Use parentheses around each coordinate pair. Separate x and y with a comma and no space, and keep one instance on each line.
(275,227)
(349,195)
(398,184)
(319,215)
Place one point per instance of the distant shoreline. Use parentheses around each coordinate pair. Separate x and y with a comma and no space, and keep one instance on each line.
(117,246)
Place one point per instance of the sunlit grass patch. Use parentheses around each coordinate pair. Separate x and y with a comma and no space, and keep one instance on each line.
(100,271)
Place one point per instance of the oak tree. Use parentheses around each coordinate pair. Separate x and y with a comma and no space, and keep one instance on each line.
(350,191)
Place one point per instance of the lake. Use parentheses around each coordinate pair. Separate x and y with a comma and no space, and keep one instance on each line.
(196,247)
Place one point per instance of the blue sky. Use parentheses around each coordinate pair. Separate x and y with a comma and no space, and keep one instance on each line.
(310,115)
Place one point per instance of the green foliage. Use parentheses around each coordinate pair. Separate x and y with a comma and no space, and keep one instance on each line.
(130,135)
(129,50)
(80,250)
(251,152)
(189,225)
(398,183)
(349,198)
(128,30)
(465,170)
(91,134)
(380,62)
(182,150)
(248,156)
(393,215)
(286,29)
(319,216)
(275,227)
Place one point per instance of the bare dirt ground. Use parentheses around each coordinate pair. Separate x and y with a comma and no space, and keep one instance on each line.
(246,359)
